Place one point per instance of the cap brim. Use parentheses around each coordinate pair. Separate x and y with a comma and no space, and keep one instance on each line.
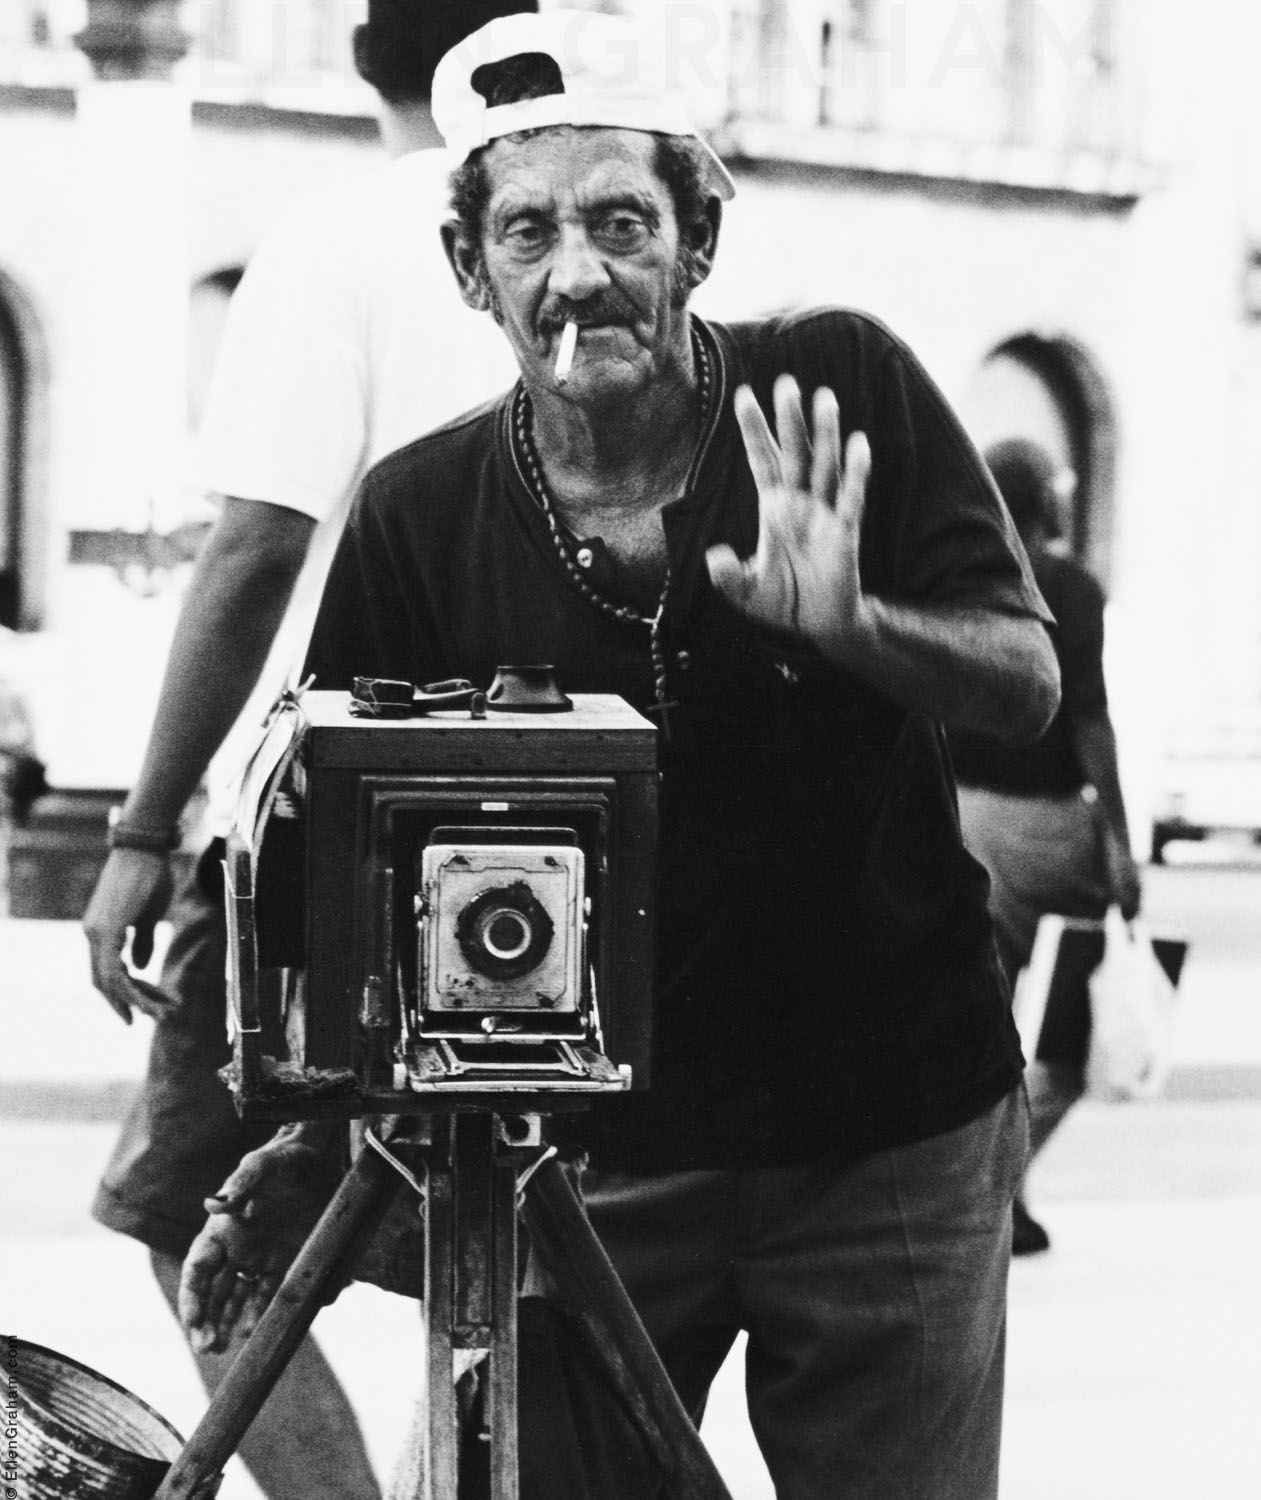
(722,182)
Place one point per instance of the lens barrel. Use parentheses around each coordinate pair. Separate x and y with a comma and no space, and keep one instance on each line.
(505,931)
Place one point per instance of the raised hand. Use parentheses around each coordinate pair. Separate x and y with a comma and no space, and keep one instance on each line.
(130,898)
(804,575)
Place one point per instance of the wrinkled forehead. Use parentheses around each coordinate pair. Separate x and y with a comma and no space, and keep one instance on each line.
(566,163)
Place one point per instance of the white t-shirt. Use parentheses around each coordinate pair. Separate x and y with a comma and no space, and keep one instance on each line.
(345,340)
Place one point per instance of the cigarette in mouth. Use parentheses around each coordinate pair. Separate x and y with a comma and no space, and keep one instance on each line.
(565,354)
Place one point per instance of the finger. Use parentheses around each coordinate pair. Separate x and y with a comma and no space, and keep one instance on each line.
(150,1000)
(241,1293)
(256,1304)
(204,1340)
(141,944)
(759,444)
(734,579)
(853,491)
(251,1174)
(222,1304)
(113,998)
(211,1268)
(123,992)
(825,471)
(190,1300)
(208,1338)
(109,978)
(234,1196)
(226,1201)
(203,1258)
(255,1293)
(794,440)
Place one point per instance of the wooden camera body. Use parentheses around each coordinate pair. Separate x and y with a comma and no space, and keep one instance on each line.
(432,912)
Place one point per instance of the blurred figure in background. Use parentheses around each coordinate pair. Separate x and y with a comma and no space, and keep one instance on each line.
(1048,819)
(346,339)
(21,770)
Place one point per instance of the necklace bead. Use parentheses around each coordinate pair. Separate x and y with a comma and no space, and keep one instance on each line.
(533,472)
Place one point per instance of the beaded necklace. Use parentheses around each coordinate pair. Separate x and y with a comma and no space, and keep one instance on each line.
(533,473)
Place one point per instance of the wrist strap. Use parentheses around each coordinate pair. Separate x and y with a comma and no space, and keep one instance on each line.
(150,840)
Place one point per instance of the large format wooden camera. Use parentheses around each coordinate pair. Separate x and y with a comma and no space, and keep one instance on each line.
(429,912)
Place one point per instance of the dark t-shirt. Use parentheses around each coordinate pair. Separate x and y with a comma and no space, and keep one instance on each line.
(826,978)
(1049,767)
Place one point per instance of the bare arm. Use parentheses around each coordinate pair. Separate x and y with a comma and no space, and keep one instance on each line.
(233,608)
(969,668)
(993,673)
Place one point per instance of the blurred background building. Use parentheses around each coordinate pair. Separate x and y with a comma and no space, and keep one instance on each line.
(1056,202)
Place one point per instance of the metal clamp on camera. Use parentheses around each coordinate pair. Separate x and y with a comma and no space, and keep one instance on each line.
(388,698)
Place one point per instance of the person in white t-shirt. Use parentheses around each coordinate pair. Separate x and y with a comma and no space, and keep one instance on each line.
(345,340)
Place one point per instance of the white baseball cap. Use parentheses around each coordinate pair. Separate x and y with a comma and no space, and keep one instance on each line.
(615,74)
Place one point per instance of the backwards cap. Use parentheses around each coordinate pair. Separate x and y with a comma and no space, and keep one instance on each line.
(612,71)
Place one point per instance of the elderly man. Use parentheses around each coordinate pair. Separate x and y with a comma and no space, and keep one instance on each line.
(828,1153)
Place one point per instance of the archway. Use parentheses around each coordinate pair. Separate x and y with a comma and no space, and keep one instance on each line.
(23,431)
(1050,389)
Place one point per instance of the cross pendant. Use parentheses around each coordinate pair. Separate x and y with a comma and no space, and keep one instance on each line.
(661,709)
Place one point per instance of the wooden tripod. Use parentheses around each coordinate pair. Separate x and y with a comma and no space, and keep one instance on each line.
(471,1220)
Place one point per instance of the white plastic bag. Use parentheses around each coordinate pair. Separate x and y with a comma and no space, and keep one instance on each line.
(1131,1016)
(1033,984)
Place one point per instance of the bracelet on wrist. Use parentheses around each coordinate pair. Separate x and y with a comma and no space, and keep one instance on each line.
(149,840)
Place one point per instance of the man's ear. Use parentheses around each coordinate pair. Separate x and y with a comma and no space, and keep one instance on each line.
(468,265)
(704,244)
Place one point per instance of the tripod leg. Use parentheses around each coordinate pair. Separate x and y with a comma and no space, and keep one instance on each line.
(364,1194)
(470,1278)
(502,1386)
(567,1245)
(440,1472)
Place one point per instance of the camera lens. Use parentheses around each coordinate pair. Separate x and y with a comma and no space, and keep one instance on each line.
(504,932)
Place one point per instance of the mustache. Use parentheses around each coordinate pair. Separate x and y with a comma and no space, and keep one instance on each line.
(590,314)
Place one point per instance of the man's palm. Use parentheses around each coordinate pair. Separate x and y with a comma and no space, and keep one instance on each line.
(804,575)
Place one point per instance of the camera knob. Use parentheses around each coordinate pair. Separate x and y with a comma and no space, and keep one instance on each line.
(527,690)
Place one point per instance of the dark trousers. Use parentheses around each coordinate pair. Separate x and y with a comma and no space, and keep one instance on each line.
(874,1296)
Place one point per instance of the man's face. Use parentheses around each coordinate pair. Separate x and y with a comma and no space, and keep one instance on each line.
(579,226)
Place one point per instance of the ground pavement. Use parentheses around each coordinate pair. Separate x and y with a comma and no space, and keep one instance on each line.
(1133,1365)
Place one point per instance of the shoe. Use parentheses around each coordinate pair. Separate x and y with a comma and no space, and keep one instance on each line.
(1027,1236)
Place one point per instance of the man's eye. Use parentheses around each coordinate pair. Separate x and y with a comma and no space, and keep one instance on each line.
(623,232)
(525,234)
